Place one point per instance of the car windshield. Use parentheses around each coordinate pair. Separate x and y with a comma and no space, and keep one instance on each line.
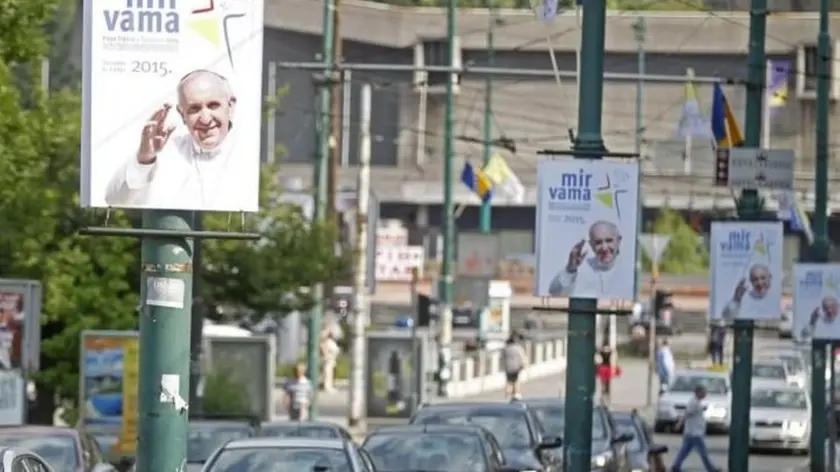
(510,427)
(553,420)
(768,371)
(204,438)
(298,430)
(688,383)
(439,452)
(281,459)
(58,450)
(788,399)
(626,425)
(794,364)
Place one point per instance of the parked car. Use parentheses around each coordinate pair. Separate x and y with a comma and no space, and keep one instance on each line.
(644,454)
(288,454)
(12,460)
(514,425)
(309,429)
(63,449)
(780,418)
(772,371)
(796,365)
(205,436)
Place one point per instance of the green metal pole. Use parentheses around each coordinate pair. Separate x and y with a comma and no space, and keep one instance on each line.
(445,292)
(320,210)
(821,248)
(580,375)
(640,27)
(164,342)
(749,208)
(486,207)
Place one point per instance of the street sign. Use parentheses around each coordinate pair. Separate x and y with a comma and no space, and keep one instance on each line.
(654,245)
(751,168)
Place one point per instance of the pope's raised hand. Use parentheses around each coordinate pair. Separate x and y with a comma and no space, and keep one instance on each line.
(576,256)
(155,135)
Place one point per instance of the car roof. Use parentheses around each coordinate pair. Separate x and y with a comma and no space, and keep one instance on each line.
(469,406)
(430,429)
(769,361)
(551,401)
(778,387)
(702,373)
(254,443)
(307,424)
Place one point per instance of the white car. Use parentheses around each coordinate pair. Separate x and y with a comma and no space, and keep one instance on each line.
(794,361)
(772,372)
(780,418)
(671,405)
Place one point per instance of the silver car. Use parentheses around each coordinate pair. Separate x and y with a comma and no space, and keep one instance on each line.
(793,359)
(780,419)
(671,405)
(772,372)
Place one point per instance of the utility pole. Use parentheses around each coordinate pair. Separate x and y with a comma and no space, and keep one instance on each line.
(324,128)
(640,28)
(337,121)
(357,361)
(821,249)
(750,207)
(580,376)
(492,13)
(444,344)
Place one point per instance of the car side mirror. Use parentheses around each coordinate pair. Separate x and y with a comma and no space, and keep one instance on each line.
(551,442)
(656,449)
(623,438)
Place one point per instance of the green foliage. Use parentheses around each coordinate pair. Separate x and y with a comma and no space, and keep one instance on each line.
(685,253)
(272,275)
(223,395)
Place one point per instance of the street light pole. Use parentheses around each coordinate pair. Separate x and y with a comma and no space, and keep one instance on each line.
(444,344)
(486,206)
(821,249)
(750,207)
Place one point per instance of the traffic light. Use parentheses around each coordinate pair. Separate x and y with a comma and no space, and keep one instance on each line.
(662,299)
(426,310)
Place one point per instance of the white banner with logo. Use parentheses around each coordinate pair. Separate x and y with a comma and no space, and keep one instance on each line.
(394,263)
(12,400)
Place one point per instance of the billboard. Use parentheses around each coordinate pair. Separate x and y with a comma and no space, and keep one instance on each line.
(108,385)
(20,324)
(164,82)
(746,270)
(816,292)
(587,212)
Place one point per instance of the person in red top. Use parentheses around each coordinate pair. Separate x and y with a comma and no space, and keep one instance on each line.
(605,370)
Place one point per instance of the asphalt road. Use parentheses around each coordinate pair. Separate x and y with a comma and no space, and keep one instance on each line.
(629,393)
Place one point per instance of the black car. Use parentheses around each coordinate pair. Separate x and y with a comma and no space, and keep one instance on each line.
(609,445)
(309,429)
(514,426)
(205,436)
(641,450)
(437,447)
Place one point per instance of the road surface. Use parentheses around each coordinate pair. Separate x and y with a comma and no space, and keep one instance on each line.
(629,393)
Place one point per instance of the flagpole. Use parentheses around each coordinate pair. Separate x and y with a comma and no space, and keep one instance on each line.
(765,130)
(687,151)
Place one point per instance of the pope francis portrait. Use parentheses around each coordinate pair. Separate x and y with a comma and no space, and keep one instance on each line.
(590,275)
(750,296)
(189,171)
(822,320)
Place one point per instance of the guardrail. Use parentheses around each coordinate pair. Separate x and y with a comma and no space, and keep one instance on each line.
(479,372)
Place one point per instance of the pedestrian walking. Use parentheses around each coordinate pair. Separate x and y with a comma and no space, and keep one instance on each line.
(717,339)
(298,395)
(514,361)
(605,370)
(329,359)
(665,365)
(693,425)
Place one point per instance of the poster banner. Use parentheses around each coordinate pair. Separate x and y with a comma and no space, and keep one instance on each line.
(183,72)
(20,324)
(746,270)
(109,378)
(816,292)
(395,263)
(587,212)
(12,398)
(394,374)
(251,363)
(478,254)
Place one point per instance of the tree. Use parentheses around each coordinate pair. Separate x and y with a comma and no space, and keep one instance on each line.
(664,5)
(274,274)
(89,282)
(685,253)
